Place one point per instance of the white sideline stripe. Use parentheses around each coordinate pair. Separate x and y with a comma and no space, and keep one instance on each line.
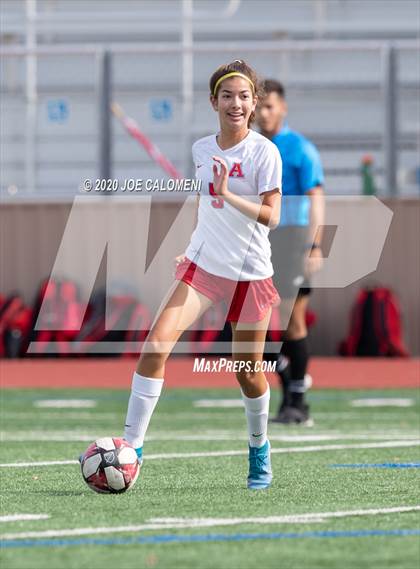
(45,463)
(162,456)
(23,517)
(371,402)
(86,531)
(385,444)
(65,403)
(184,523)
(382,402)
(294,518)
(210,403)
(388,417)
(71,436)
(354,413)
(63,414)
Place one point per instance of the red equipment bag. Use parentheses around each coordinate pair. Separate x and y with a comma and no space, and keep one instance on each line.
(15,323)
(375,328)
(106,334)
(57,313)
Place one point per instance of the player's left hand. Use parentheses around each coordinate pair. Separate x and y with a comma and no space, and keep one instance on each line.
(314,262)
(220,179)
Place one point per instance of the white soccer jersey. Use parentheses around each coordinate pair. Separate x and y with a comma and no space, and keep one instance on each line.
(226,242)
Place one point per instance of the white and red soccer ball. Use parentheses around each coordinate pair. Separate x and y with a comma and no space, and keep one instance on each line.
(110,466)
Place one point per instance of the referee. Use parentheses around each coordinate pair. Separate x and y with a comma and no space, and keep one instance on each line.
(296,246)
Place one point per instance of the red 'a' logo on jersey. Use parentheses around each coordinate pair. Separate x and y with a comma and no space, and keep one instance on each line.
(236,171)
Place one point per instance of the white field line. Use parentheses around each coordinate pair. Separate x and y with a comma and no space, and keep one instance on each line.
(65,414)
(379,415)
(384,444)
(373,402)
(284,438)
(382,402)
(215,403)
(184,523)
(23,517)
(389,415)
(295,518)
(65,403)
(162,456)
(377,402)
(72,436)
(44,463)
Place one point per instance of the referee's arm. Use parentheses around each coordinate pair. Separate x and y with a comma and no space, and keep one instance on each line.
(312,181)
(311,178)
(316,215)
(315,228)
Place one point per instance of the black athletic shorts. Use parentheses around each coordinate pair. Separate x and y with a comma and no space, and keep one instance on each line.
(288,250)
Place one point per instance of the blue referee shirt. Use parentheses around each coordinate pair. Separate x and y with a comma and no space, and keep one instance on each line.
(302,170)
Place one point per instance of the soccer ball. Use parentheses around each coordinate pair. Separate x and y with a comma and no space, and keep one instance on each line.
(110,466)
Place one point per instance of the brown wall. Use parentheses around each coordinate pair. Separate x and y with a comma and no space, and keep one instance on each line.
(31,234)
(398,269)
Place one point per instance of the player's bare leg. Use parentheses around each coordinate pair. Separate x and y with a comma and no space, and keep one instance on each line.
(183,306)
(248,349)
(297,329)
(179,311)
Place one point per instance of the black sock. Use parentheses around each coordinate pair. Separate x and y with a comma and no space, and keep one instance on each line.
(298,354)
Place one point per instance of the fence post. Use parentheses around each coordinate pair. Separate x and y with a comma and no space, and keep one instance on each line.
(187,84)
(390,132)
(31,93)
(104,90)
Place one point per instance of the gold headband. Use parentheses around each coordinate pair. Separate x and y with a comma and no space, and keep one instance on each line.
(232,74)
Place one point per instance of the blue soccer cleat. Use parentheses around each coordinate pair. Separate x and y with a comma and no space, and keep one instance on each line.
(260,474)
(139,452)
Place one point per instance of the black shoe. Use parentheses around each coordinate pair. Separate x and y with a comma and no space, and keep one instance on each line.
(289,415)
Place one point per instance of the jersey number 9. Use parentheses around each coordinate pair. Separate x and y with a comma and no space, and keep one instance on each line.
(218,203)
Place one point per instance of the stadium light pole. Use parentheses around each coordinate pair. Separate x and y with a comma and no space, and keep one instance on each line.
(31,96)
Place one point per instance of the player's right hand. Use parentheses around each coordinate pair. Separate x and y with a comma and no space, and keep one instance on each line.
(220,179)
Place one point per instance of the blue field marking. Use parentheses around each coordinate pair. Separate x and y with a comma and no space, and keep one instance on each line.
(157,539)
(379,465)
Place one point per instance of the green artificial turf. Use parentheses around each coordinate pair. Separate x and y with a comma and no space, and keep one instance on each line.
(211,487)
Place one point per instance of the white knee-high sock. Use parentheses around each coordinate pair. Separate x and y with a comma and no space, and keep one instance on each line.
(256,410)
(145,393)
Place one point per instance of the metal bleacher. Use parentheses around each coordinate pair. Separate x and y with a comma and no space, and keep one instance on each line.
(336,94)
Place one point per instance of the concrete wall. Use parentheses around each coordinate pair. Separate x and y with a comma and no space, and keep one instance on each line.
(40,237)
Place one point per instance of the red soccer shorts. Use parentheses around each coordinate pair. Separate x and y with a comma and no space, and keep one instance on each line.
(249,300)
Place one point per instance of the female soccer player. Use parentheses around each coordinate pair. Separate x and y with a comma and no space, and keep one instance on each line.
(228,258)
